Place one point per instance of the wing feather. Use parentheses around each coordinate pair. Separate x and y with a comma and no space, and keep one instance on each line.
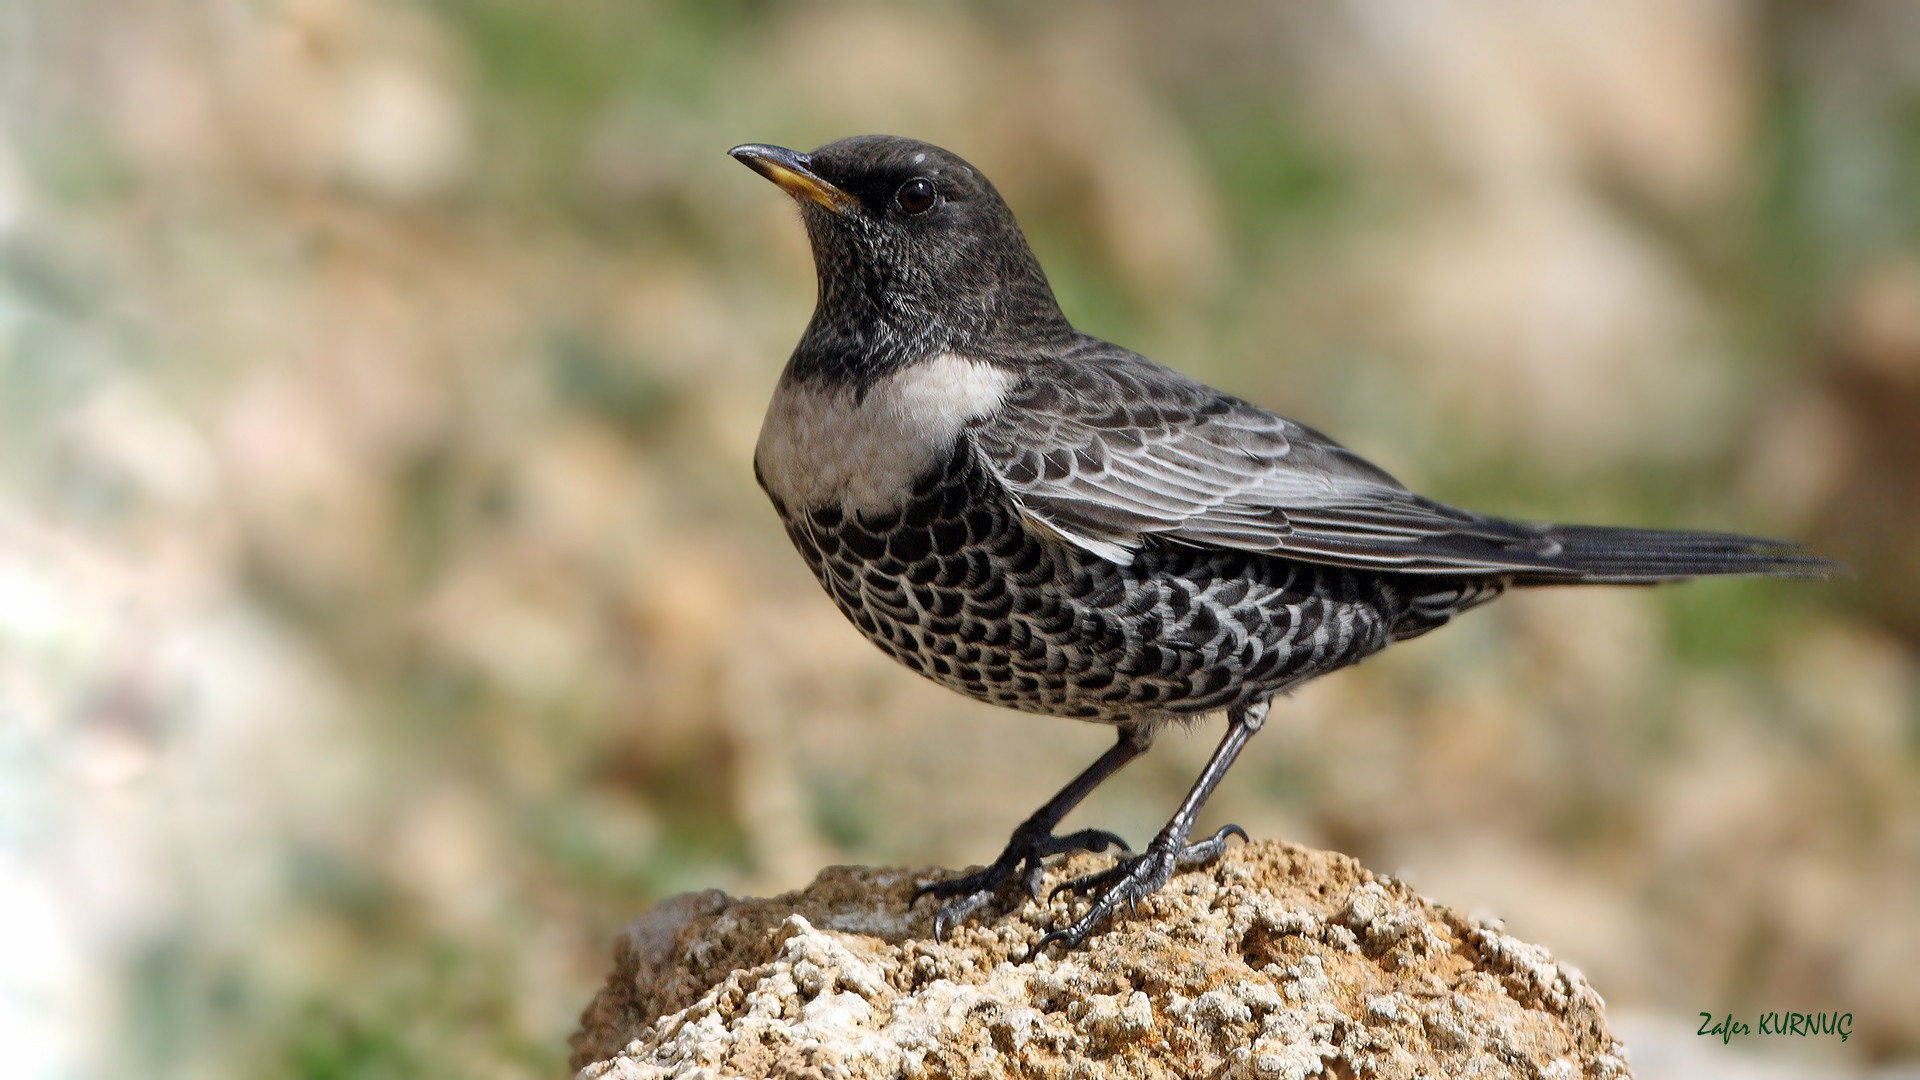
(1106,448)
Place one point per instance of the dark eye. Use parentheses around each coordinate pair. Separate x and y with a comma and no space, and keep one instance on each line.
(916,195)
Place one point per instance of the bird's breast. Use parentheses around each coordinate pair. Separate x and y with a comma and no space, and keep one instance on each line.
(826,442)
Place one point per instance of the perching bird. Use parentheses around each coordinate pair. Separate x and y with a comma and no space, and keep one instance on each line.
(1042,520)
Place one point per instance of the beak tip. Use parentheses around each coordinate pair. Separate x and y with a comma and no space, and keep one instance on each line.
(751,154)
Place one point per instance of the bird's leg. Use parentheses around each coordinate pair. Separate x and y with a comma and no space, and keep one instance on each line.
(1135,878)
(1033,840)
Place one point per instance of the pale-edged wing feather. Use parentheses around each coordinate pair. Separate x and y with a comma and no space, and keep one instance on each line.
(1106,449)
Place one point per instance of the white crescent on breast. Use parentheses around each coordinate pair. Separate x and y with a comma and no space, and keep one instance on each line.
(819,445)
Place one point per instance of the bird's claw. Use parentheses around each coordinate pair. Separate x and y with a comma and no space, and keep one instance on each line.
(1027,849)
(1132,880)
(1212,847)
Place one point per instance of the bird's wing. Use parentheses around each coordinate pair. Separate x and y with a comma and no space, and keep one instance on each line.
(1106,448)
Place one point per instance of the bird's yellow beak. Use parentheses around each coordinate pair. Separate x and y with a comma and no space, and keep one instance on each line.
(790,170)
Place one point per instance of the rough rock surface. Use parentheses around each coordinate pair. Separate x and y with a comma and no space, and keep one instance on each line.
(1277,961)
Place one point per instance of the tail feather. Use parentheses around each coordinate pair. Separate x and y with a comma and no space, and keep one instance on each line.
(1598,554)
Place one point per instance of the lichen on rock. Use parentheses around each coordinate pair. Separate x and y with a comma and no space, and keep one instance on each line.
(1276,961)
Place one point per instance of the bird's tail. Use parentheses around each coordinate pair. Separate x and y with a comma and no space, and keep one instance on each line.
(1602,555)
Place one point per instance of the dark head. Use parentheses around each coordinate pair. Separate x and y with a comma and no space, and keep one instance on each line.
(916,252)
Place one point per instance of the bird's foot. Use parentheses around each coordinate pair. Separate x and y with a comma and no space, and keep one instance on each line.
(1023,857)
(1133,879)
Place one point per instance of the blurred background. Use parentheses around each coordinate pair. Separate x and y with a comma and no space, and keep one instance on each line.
(387,611)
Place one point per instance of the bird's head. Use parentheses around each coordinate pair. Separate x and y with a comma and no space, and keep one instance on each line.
(915,250)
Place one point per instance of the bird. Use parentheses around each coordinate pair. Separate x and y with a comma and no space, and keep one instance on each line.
(1048,522)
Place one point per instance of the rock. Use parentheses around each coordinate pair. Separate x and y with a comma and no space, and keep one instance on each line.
(1277,961)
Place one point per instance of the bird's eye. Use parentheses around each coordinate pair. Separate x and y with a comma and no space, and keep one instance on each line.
(916,195)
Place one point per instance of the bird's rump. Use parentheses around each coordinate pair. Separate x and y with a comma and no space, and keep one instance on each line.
(1105,449)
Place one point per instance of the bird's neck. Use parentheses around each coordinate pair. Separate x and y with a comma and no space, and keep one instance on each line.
(866,326)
